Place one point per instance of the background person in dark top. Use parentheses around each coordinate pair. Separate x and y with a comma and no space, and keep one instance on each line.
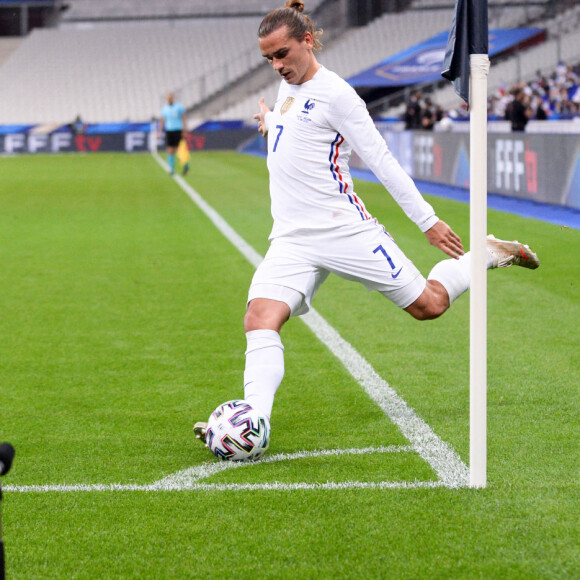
(519,112)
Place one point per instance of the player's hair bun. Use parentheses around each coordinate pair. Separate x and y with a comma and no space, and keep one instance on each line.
(296,4)
(291,16)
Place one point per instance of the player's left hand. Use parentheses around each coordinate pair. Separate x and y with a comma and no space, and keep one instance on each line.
(443,237)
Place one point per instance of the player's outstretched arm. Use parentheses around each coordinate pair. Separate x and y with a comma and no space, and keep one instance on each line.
(261,117)
(443,237)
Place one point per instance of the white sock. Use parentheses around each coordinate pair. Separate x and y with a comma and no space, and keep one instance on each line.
(455,275)
(264,369)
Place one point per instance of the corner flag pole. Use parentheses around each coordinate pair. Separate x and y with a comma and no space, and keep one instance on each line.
(478,295)
(467,65)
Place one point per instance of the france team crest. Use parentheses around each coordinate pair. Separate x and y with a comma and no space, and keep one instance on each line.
(308,106)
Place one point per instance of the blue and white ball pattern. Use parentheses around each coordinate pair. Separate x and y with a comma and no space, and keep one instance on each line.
(237,432)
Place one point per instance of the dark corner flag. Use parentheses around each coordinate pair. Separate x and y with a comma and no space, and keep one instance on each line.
(468,35)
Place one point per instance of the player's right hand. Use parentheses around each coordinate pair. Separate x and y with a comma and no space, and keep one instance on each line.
(261,117)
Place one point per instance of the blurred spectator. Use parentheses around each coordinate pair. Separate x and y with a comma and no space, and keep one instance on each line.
(519,111)
(428,115)
(444,124)
(77,127)
(548,96)
(413,112)
(421,113)
(412,115)
(427,119)
(537,105)
(462,112)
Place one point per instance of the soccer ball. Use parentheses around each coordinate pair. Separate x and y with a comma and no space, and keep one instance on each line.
(237,432)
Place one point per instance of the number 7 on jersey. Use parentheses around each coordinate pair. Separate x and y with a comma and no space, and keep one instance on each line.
(280,129)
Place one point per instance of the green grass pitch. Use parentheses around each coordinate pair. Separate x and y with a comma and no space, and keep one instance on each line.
(121,310)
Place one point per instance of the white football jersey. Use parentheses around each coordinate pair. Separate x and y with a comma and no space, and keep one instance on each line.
(311,132)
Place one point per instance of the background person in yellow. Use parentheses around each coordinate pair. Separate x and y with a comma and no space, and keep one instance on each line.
(174,123)
(183,155)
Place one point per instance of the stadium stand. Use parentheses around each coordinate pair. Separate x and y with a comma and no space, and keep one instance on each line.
(562,45)
(503,13)
(107,10)
(111,73)
(115,61)
(7,46)
(525,66)
(392,33)
(360,48)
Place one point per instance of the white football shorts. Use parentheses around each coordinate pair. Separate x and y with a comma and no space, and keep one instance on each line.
(295,266)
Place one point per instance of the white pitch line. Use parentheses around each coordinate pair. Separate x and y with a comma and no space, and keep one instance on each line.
(192,475)
(442,457)
(276,486)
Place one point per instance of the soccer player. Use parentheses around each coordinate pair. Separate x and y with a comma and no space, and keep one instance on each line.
(321,225)
(174,123)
